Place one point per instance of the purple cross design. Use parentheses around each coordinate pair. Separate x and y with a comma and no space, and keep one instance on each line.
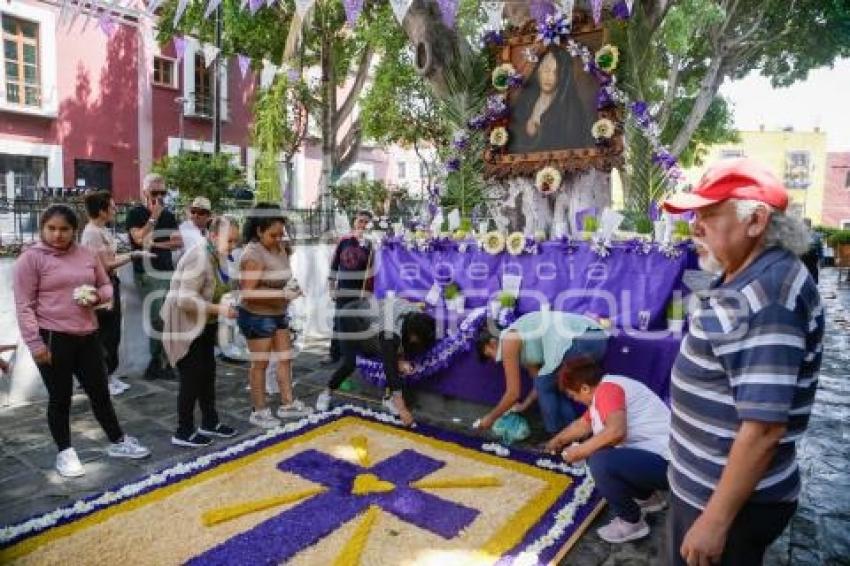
(282,536)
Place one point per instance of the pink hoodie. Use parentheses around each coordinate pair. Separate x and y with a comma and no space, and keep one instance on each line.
(44,283)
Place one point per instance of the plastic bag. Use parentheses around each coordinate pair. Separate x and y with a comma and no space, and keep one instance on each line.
(511,427)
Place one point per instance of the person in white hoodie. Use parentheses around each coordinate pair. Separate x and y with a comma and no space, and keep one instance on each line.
(624,436)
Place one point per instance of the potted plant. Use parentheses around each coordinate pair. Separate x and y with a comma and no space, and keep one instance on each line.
(453,297)
(676,314)
(644,228)
(840,242)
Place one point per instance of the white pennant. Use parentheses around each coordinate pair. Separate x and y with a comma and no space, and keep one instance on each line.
(400,8)
(301,7)
(181,9)
(93,6)
(630,4)
(567,9)
(211,8)
(494,12)
(210,53)
(267,74)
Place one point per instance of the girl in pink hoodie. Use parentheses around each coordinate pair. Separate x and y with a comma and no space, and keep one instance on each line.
(57,284)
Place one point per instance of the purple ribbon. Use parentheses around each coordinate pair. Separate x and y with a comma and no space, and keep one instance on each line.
(179,46)
(244,64)
(653,211)
(596,6)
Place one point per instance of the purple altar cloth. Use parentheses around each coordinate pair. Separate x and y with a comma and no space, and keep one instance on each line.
(646,357)
(569,276)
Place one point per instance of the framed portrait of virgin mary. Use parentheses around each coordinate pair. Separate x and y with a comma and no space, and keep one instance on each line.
(551,115)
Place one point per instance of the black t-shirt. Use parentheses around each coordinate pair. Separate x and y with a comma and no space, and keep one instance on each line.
(165,225)
(350,262)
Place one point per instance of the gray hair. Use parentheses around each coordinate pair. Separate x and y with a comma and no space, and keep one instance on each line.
(150,179)
(783,231)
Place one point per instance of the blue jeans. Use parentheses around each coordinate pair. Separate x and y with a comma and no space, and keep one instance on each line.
(258,326)
(556,408)
(625,474)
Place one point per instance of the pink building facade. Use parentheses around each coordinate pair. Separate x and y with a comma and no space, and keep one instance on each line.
(836,197)
(80,108)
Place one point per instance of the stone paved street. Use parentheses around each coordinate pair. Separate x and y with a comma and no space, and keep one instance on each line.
(818,534)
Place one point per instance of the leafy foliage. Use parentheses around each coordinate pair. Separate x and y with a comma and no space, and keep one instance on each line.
(198,174)
(368,195)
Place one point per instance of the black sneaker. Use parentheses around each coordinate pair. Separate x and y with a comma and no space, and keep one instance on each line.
(219,430)
(193,440)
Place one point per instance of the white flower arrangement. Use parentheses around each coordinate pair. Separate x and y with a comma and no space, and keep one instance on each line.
(493,242)
(600,247)
(515,243)
(607,58)
(501,76)
(603,129)
(499,137)
(670,250)
(85,295)
(548,180)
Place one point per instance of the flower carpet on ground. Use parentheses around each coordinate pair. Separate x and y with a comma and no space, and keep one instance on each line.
(346,486)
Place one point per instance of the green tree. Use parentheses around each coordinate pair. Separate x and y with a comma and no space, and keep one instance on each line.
(198,174)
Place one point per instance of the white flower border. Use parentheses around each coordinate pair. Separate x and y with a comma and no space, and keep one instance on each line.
(564,516)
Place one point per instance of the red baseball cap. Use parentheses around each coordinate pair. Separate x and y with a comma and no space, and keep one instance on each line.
(732,178)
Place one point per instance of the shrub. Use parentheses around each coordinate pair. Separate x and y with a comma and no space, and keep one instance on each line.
(199,175)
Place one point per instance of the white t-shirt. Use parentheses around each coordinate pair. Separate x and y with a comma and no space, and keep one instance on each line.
(647,417)
(191,235)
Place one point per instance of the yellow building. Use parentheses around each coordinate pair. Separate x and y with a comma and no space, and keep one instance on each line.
(797,158)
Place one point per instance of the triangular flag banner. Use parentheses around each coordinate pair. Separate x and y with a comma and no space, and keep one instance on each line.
(254,5)
(352,11)
(301,7)
(567,9)
(269,3)
(400,8)
(181,9)
(448,12)
(107,24)
(152,7)
(244,64)
(210,53)
(630,4)
(596,6)
(211,7)
(494,14)
(179,46)
(268,73)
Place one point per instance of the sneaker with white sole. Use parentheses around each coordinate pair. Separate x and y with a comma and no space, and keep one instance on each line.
(653,504)
(389,405)
(193,440)
(263,419)
(619,531)
(219,430)
(128,447)
(68,464)
(295,409)
(323,401)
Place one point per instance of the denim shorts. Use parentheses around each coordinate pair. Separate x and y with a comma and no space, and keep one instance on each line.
(257,326)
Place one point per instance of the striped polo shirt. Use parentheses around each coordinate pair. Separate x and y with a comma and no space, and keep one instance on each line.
(752,352)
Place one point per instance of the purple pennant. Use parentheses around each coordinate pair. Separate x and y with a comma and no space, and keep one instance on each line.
(254,5)
(581,214)
(179,46)
(596,6)
(279,538)
(448,12)
(540,10)
(244,64)
(352,11)
(654,212)
(621,10)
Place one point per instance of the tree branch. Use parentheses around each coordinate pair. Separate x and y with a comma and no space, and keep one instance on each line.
(670,94)
(360,78)
(708,90)
(345,152)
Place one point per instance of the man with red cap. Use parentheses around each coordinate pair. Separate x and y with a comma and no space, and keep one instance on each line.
(744,381)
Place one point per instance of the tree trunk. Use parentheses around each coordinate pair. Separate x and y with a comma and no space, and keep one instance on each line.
(328,133)
(707,92)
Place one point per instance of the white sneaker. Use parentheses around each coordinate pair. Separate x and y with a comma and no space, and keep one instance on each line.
(619,531)
(295,409)
(263,419)
(116,386)
(68,464)
(653,504)
(389,405)
(323,401)
(128,447)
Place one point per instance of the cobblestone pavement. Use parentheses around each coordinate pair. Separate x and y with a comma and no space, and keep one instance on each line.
(818,534)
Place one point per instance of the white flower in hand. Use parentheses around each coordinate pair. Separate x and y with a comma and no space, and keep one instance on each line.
(85,295)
